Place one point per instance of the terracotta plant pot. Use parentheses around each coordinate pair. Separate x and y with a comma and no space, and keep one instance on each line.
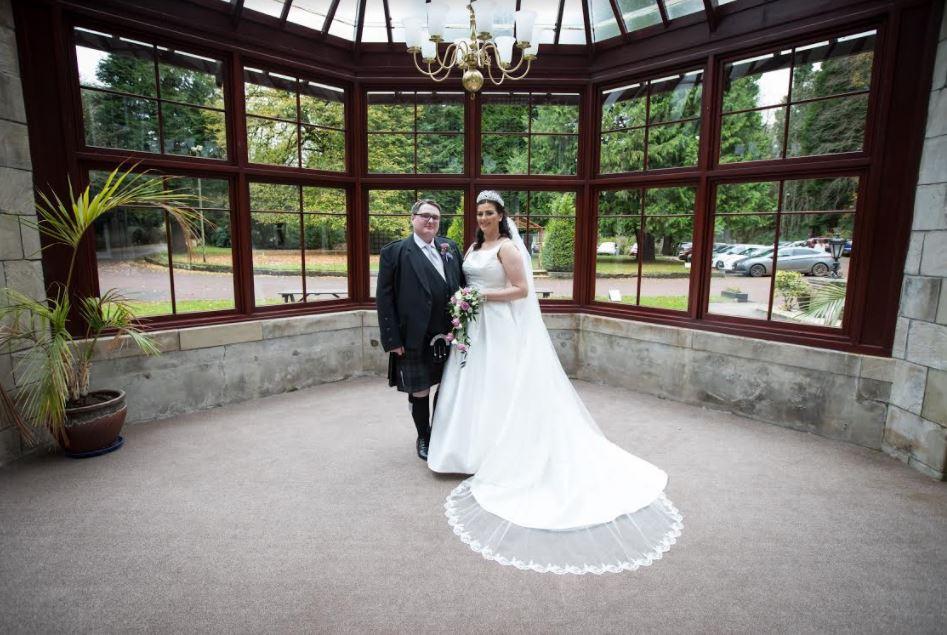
(95,427)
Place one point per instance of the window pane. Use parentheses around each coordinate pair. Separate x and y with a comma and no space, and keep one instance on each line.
(191,79)
(555,263)
(116,121)
(452,204)
(561,204)
(326,254)
(639,14)
(676,98)
(505,113)
(743,265)
(622,151)
(673,145)
(131,248)
(553,154)
(391,202)
(391,153)
(274,197)
(322,105)
(757,82)
(120,64)
(440,154)
(391,112)
(827,126)
(833,67)
(272,142)
(616,263)
(807,195)
(619,203)
(323,149)
(203,274)
(270,95)
(440,113)
(196,132)
(665,278)
(752,136)
(806,289)
(670,200)
(504,154)
(748,198)
(277,259)
(625,107)
(555,113)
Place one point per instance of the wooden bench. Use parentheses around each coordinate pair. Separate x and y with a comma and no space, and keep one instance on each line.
(290,296)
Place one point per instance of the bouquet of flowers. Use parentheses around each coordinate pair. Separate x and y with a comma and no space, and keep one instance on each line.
(464,307)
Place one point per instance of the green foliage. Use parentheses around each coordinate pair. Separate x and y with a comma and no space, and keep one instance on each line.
(791,286)
(558,251)
(826,302)
(456,232)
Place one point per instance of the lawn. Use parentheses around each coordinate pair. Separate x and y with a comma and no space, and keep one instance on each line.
(163,307)
(672,302)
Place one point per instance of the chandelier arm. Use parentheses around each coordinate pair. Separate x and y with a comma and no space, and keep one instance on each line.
(523,74)
(427,72)
(509,71)
(490,75)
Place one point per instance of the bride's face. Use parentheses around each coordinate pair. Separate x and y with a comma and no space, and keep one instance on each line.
(488,218)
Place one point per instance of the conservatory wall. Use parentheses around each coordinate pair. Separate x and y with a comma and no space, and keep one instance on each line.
(625,167)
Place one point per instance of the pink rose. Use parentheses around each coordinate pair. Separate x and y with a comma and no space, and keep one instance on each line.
(453,300)
(455,321)
(462,348)
(465,306)
(449,337)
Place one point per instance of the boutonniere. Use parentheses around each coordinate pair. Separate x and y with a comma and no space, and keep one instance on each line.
(445,252)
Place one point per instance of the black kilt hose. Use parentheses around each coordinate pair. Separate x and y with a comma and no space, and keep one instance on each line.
(412,300)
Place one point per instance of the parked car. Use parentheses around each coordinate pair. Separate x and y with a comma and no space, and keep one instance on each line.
(608,249)
(633,250)
(724,262)
(684,247)
(802,259)
(731,250)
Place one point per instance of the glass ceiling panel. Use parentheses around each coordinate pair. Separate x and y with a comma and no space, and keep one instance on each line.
(309,13)
(679,8)
(374,29)
(269,7)
(636,14)
(639,14)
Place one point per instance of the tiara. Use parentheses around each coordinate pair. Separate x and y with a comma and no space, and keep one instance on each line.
(490,195)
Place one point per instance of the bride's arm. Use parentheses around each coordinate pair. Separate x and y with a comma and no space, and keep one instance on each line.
(513,267)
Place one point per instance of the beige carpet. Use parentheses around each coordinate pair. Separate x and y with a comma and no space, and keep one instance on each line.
(310,512)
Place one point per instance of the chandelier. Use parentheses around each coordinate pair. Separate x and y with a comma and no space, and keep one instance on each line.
(479,55)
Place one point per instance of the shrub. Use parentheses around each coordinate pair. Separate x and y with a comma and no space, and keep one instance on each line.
(558,252)
(792,286)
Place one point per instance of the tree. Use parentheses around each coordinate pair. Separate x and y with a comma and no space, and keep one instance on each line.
(558,252)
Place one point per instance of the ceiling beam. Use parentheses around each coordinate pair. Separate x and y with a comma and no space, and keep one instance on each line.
(589,41)
(329,17)
(562,7)
(236,11)
(710,10)
(388,25)
(618,18)
(285,14)
(359,21)
(663,10)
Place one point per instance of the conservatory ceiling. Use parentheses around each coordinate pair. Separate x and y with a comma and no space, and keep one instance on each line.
(561,21)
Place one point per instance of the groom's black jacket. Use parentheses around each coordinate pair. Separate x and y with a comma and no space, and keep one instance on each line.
(411,296)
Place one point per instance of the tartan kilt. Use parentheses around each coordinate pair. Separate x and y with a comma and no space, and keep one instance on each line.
(414,371)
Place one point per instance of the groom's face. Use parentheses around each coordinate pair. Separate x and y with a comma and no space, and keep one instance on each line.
(426,221)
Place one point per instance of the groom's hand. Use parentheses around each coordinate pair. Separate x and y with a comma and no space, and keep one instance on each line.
(398,351)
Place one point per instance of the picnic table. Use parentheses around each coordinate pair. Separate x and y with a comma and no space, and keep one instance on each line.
(543,293)
(290,296)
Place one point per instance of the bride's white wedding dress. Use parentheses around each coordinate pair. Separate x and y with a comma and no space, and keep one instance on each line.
(549,492)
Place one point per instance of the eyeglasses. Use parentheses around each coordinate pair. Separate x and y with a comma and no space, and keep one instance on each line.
(429,218)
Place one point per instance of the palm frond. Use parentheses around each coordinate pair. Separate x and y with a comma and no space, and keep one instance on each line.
(826,302)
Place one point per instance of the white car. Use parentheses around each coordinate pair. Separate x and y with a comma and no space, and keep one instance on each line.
(725,262)
(717,261)
(607,249)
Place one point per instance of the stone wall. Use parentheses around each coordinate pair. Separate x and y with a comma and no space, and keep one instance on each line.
(916,430)
(20,266)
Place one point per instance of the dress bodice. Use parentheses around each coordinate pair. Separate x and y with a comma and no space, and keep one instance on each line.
(484,270)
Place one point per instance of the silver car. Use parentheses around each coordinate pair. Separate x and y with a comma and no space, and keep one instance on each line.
(802,259)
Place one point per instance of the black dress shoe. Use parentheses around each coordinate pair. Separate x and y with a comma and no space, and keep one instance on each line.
(422,448)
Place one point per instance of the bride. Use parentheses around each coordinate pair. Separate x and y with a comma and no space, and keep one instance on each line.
(549,493)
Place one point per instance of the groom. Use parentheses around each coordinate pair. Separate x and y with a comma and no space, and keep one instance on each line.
(416,278)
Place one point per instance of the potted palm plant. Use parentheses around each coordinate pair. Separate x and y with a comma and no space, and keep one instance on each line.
(52,360)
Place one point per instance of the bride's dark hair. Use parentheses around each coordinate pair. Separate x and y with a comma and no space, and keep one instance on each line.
(503,229)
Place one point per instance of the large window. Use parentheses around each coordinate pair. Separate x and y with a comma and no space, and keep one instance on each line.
(148,98)
(802,101)
(651,125)
(294,122)
(299,243)
(156,265)
(416,132)
(644,236)
(529,133)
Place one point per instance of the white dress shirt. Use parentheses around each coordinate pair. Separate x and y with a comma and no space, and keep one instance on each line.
(430,250)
